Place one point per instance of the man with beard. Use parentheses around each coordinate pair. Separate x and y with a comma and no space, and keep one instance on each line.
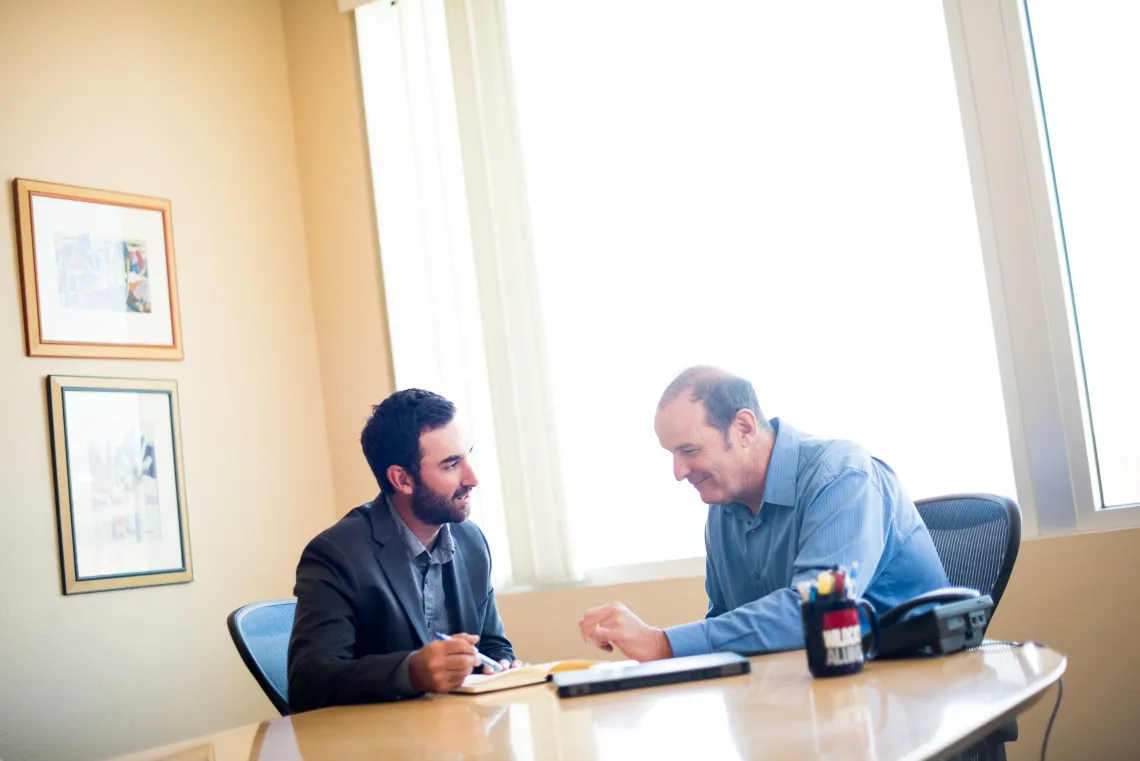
(375,589)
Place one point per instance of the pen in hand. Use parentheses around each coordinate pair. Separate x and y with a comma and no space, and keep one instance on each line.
(485,660)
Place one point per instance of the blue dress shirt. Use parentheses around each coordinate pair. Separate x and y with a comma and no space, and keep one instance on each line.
(826,502)
(429,566)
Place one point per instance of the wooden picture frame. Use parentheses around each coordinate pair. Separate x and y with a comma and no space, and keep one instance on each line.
(98,273)
(120,486)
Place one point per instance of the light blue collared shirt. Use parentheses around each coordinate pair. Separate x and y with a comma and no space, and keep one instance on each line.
(429,569)
(826,502)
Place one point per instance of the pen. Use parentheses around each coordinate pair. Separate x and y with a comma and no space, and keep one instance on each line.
(486,661)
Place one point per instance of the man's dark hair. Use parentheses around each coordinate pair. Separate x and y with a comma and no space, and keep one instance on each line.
(723,394)
(392,434)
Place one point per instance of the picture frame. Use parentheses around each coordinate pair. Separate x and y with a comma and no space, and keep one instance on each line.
(119,483)
(97,272)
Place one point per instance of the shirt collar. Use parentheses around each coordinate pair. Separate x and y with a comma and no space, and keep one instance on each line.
(780,482)
(444,543)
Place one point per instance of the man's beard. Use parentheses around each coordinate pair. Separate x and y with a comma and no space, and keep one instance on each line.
(434,509)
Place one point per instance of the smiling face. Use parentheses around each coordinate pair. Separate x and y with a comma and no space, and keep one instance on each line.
(716,464)
(442,492)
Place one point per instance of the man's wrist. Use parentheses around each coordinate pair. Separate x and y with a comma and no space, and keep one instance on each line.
(689,639)
(401,679)
(662,646)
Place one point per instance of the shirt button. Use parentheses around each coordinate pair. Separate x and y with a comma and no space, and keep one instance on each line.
(755,577)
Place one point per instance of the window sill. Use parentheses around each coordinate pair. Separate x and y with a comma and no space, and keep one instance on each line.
(682,568)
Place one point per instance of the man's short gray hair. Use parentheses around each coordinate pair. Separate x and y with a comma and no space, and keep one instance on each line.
(723,394)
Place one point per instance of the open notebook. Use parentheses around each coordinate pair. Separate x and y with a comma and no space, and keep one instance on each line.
(476,684)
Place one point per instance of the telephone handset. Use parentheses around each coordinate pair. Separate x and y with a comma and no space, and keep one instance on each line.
(937,596)
(935,623)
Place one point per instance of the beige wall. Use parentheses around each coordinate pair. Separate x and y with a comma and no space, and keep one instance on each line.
(344,257)
(543,625)
(188,101)
(1055,597)
(1060,595)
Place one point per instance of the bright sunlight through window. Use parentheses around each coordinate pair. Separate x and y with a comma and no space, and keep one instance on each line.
(1088,64)
(779,189)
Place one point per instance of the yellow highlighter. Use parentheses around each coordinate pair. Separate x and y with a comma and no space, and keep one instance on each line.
(824,583)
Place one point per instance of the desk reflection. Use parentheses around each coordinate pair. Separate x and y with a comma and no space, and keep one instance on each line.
(197,753)
(777,711)
(893,709)
(450,729)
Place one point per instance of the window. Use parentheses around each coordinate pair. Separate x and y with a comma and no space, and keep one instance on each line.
(421,207)
(1087,64)
(834,200)
(766,188)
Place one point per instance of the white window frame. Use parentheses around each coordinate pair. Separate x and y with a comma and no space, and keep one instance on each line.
(1032,313)
(504,256)
(434,204)
(422,213)
(1034,324)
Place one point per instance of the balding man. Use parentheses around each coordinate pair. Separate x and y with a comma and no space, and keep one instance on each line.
(783,506)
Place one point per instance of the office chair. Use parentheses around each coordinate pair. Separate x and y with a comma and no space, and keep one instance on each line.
(977,537)
(261,632)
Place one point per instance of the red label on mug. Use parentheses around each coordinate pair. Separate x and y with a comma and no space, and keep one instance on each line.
(841,619)
(842,637)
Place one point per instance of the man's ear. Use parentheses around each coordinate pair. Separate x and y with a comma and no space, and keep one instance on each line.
(746,426)
(401,479)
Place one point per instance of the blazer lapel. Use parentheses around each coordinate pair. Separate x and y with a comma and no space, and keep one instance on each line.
(464,598)
(394,561)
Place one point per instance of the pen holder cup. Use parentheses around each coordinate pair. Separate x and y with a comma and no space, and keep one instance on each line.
(833,636)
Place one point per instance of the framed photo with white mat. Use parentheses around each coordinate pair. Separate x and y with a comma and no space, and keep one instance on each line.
(119,482)
(98,275)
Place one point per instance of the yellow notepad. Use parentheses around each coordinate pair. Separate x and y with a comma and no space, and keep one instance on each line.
(538,673)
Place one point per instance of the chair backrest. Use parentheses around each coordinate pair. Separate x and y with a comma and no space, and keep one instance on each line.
(977,537)
(261,632)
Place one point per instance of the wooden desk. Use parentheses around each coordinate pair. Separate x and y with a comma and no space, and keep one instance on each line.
(892,710)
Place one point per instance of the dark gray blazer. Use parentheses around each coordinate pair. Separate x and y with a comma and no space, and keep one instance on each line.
(359,612)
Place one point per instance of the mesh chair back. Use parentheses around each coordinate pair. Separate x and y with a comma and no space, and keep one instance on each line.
(261,632)
(977,537)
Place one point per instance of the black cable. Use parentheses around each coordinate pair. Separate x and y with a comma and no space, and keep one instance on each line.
(1056,707)
(990,644)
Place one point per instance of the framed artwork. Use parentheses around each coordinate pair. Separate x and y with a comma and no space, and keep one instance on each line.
(98,273)
(120,491)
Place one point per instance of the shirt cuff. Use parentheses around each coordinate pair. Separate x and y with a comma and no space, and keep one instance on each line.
(401,679)
(689,639)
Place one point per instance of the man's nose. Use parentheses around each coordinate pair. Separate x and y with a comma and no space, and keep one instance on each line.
(680,469)
(470,480)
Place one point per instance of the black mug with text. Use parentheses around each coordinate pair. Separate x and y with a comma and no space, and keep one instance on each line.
(833,636)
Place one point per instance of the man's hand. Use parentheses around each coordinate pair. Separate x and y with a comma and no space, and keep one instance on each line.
(615,625)
(505,664)
(442,666)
